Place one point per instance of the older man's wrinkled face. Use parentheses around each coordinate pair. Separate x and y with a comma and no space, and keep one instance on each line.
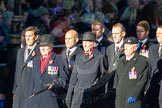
(88,45)
(45,49)
(117,34)
(130,49)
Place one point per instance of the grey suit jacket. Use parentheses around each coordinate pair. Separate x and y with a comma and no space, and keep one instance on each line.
(112,58)
(154,69)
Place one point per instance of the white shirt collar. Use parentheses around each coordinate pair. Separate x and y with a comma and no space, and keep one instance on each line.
(71,50)
(128,59)
(144,41)
(119,44)
(26,51)
(99,40)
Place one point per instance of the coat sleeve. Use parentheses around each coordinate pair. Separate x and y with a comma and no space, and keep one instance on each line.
(142,79)
(115,80)
(63,78)
(73,81)
(16,73)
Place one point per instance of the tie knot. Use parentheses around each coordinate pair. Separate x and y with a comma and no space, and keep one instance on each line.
(117,49)
(29,50)
(68,52)
(140,43)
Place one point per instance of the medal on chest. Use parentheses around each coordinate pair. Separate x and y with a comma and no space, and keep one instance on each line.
(133,73)
(53,70)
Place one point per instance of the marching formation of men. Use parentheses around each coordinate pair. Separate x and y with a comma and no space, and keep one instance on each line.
(95,74)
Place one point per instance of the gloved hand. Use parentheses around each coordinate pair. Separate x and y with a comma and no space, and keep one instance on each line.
(50,86)
(131,100)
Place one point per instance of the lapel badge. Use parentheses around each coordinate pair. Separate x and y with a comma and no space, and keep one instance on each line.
(91,56)
(33,53)
(51,61)
(121,49)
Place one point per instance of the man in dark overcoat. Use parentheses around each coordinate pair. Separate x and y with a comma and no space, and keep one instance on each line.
(89,67)
(113,53)
(49,72)
(24,66)
(130,77)
(72,49)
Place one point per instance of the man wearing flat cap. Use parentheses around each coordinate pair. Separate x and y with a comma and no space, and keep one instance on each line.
(130,77)
(89,67)
(48,67)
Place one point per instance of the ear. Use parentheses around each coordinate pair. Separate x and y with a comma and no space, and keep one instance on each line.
(103,29)
(147,32)
(77,39)
(94,45)
(123,34)
(135,47)
(36,37)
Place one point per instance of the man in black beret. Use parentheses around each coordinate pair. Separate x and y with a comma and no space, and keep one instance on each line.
(130,77)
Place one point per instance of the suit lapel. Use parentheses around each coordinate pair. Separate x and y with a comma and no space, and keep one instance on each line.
(155,52)
(112,52)
(22,56)
(30,56)
(119,54)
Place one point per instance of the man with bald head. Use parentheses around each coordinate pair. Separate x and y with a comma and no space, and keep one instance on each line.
(71,49)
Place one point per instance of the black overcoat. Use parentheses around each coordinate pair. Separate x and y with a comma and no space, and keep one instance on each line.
(23,77)
(83,91)
(54,70)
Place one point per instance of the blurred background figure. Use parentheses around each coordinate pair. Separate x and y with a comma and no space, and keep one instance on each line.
(98,29)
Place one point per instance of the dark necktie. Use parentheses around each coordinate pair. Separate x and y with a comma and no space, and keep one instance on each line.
(68,53)
(160,51)
(29,50)
(140,46)
(116,50)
